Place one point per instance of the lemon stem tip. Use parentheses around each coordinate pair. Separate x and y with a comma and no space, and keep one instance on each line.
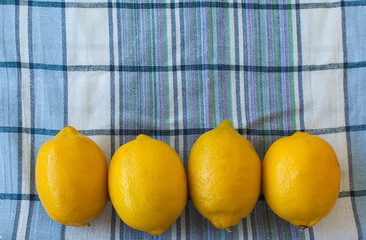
(226,123)
(88,224)
(302,227)
(228,230)
(68,130)
(142,136)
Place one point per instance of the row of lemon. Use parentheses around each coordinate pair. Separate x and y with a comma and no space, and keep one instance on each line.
(148,186)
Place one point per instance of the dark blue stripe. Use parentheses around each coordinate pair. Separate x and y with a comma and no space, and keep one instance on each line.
(64,62)
(259,77)
(301,68)
(32,122)
(18,196)
(196,4)
(183,67)
(119,49)
(112,96)
(119,39)
(186,131)
(346,112)
(65,80)
(154,85)
(34,197)
(20,121)
(120,230)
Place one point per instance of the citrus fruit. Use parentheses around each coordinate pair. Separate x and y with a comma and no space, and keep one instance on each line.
(71,178)
(301,178)
(224,176)
(147,184)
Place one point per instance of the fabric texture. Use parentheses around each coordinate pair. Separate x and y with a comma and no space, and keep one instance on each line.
(174,70)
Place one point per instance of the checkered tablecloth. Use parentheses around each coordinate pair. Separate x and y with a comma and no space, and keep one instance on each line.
(173,70)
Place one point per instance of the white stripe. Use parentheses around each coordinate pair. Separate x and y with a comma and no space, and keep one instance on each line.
(174,230)
(232,61)
(249,227)
(171,93)
(296,81)
(117,228)
(116,77)
(26,116)
(171,82)
(241,62)
(26,121)
(307,235)
(240,228)
(23,34)
(241,37)
(180,100)
(115,35)
(179,82)
(294,24)
(297,101)
(23,216)
(338,224)
(177,34)
(26,140)
(99,228)
(179,75)
(169,35)
(180,105)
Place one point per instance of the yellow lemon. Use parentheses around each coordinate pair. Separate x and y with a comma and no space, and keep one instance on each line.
(301,178)
(147,184)
(224,176)
(71,178)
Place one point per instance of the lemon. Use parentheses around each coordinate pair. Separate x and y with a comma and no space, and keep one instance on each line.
(71,178)
(224,176)
(147,184)
(301,179)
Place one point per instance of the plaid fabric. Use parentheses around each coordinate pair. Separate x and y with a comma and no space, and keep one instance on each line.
(174,70)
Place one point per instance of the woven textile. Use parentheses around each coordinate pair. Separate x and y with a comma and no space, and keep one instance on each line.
(174,70)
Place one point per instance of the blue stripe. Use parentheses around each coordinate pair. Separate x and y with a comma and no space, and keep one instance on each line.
(299,55)
(155,105)
(20,122)
(184,131)
(64,62)
(32,123)
(346,112)
(19,196)
(119,49)
(119,31)
(126,5)
(113,115)
(35,197)
(184,67)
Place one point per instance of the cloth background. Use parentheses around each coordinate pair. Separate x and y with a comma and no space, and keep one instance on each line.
(174,70)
